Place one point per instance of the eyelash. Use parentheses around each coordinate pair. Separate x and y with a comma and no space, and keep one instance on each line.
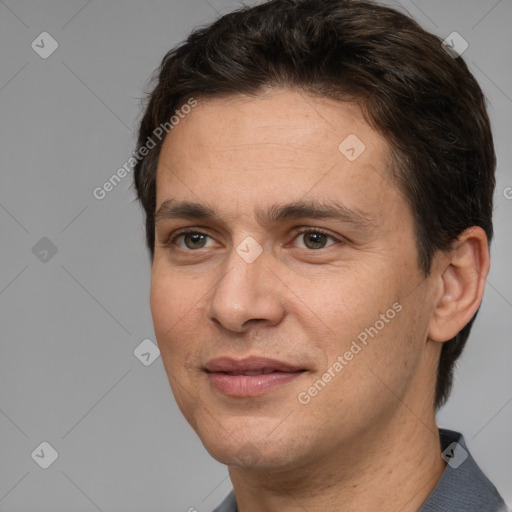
(171,241)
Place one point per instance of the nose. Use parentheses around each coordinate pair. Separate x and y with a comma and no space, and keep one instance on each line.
(249,292)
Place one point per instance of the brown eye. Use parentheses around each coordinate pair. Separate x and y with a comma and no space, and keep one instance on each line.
(315,238)
(192,240)
(197,240)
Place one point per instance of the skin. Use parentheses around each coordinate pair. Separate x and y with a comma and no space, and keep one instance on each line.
(368,440)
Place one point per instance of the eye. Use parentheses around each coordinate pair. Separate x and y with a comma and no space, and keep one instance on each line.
(314,238)
(192,239)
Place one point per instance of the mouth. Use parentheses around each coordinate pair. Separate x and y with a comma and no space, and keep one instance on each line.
(252,376)
(251,373)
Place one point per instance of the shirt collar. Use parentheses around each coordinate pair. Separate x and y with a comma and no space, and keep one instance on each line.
(462,487)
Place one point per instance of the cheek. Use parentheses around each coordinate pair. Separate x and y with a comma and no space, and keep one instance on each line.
(371,378)
(163,303)
(371,318)
(173,306)
(353,301)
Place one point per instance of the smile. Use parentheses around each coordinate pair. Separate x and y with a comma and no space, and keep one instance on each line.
(249,376)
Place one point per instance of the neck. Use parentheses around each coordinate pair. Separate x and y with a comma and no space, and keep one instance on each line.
(392,467)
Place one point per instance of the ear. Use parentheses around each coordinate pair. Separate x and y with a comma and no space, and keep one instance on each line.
(462,272)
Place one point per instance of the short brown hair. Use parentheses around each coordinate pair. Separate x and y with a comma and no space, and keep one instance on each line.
(422,99)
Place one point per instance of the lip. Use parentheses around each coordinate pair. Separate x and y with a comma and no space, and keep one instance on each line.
(235,384)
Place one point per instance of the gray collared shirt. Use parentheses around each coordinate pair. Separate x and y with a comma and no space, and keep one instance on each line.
(463,487)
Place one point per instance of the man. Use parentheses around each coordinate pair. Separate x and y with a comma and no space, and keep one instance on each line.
(318,216)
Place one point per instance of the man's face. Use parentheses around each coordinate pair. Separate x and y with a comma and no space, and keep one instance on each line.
(243,287)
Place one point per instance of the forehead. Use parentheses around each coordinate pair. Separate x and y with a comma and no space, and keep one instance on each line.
(280,145)
(297,121)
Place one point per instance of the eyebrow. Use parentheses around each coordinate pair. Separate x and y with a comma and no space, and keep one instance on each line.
(273,214)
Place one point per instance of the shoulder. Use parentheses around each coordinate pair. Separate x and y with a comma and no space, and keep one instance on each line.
(228,505)
(463,486)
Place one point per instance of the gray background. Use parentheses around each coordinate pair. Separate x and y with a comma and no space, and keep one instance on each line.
(68,375)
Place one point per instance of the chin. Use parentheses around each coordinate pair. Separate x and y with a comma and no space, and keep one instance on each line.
(252,456)
(250,446)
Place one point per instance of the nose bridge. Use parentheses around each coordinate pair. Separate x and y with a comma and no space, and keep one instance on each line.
(245,292)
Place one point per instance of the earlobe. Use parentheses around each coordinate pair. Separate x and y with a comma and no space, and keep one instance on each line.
(461,284)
